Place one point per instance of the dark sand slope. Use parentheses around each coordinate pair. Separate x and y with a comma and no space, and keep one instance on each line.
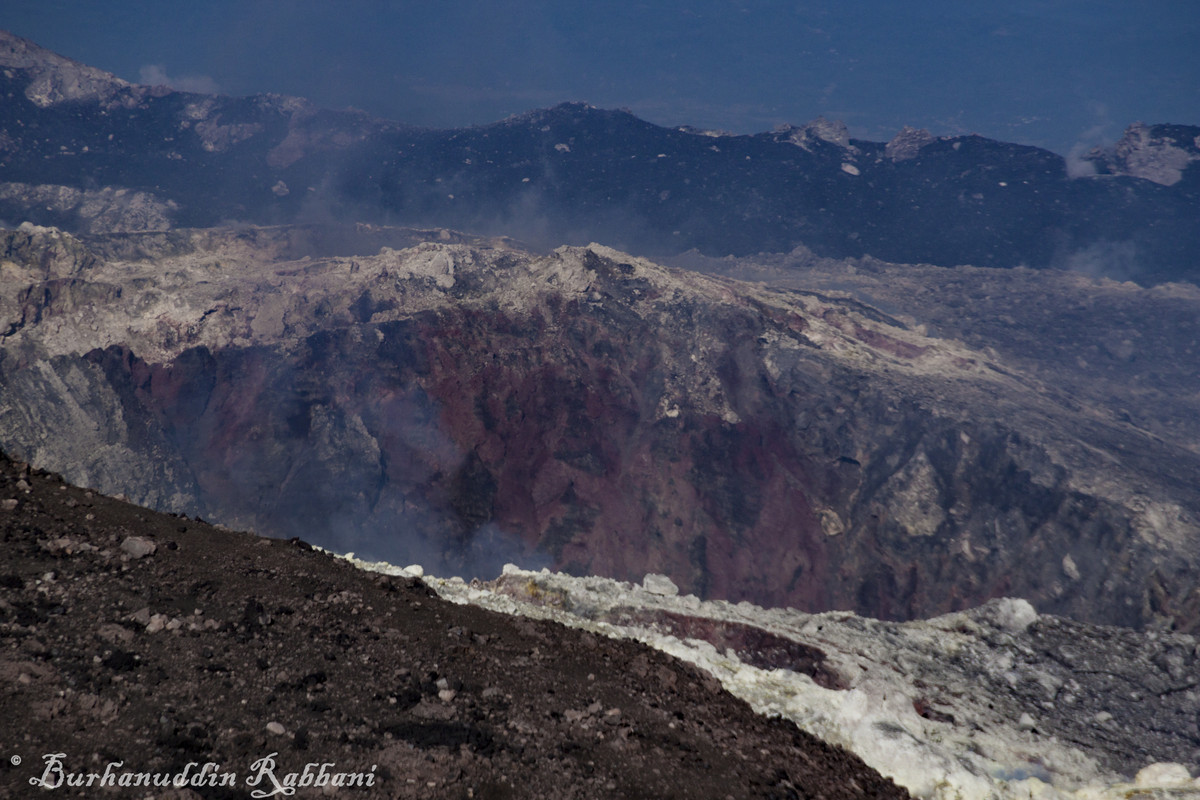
(158,642)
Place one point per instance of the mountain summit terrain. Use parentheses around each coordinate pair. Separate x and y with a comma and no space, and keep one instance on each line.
(899,441)
(85,151)
(462,403)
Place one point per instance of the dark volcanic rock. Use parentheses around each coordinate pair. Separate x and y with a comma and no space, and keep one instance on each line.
(466,405)
(221,647)
(84,151)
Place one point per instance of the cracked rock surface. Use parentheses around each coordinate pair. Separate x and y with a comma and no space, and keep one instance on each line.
(423,396)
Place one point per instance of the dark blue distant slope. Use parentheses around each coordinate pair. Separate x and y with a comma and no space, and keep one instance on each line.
(575,173)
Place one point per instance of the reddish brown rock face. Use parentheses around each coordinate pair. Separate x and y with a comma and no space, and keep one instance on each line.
(462,407)
(540,433)
(566,448)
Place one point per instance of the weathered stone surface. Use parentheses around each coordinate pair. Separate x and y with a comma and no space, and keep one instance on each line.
(993,702)
(907,143)
(659,584)
(138,547)
(55,79)
(104,210)
(1159,153)
(463,405)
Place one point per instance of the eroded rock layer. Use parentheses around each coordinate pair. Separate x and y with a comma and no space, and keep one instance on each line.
(463,403)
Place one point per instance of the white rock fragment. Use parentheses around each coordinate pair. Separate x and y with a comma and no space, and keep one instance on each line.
(414,571)
(831,523)
(62,544)
(138,546)
(1163,775)
(1012,614)
(1069,567)
(275,728)
(659,584)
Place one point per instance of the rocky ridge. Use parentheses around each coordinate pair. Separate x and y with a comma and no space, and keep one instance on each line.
(1159,153)
(55,79)
(464,403)
(575,174)
(106,210)
(994,702)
